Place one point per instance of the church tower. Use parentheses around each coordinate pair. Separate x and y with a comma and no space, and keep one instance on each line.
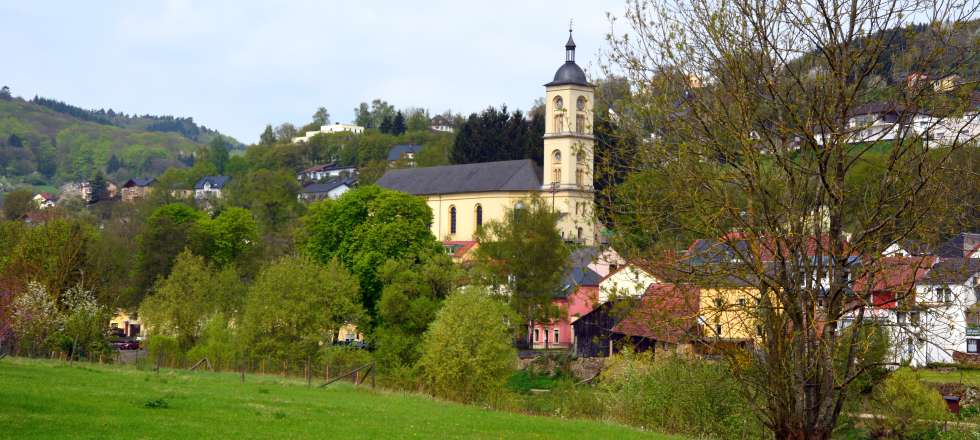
(568,139)
(568,148)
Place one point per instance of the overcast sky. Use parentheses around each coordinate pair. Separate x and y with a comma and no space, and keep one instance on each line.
(238,65)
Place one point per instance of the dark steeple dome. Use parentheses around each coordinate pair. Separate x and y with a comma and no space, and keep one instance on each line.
(569,73)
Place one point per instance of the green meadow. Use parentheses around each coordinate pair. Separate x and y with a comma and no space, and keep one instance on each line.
(50,399)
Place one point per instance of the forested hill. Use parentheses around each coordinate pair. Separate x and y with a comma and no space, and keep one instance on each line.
(47,142)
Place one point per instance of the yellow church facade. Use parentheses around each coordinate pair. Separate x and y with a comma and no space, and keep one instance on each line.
(464,197)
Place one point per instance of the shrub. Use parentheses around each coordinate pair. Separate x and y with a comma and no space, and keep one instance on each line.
(163,350)
(342,360)
(905,407)
(676,394)
(467,353)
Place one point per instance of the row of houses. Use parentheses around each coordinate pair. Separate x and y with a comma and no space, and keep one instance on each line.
(928,304)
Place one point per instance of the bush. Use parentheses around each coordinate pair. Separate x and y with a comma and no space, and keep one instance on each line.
(905,407)
(342,360)
(164,350)
(675,394)
(467,353)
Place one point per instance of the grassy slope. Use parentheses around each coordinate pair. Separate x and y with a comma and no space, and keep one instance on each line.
(41,399)
(967,377)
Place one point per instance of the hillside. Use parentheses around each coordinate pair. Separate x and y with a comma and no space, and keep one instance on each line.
(46,142)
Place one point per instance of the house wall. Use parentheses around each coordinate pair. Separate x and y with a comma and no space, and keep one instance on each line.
(577,304)
(942,326)
(629,281)
(731,310)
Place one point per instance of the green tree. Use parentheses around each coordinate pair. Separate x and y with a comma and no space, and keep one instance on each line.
(904,406)
(100,189)
(321,117)
(285,132)
(525,255)
(495,135)
(295,305)
(386,126)
(398,124)
(268,137)
(217,154)
(362,116)
(165,234)
(366,227)
(5,93)
(412,295)
(84,322)
(467,353)
(35,316)
(181,303)
(113,165)
(270,195)
(227,237)
(417,119)
(18,203)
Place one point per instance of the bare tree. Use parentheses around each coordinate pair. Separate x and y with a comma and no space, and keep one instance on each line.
(755,138)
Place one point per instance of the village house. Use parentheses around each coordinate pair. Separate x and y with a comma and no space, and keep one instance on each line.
(44,200)
(403,154)
(576,298)
(210,187)
(949,323)
(463,197)
(441,124)
(327,129)
(127,323)
(461,251)
(136,189)
(330,171)
(330,190)
(664,317)
(630,280)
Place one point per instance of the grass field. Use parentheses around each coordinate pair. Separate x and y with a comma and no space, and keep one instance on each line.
(967,377)
(49,399)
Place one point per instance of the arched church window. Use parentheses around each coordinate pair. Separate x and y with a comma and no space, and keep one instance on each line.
(556,175)
(580,103)
(479,216)
(556,156)
(452,220)
(559,122)
(580,124)
(579,176)
(559,103)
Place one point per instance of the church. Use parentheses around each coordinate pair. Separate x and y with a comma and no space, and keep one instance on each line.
(464,197)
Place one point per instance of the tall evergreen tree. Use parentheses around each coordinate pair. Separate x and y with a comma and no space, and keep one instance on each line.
(113,165)
(495,135)
(100,188)
(268,137)
(398,124)
(386,125)
(321,117)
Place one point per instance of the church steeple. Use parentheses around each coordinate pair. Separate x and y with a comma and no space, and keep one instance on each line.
(570,46)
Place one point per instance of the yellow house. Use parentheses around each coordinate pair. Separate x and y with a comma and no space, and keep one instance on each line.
(130,324)
(728,313)
(464,197)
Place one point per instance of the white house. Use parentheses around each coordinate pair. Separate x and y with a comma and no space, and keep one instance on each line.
(441,123)
(948,326)
(330,190)
(326,171)
(335,128)
(629,280)
(210,187)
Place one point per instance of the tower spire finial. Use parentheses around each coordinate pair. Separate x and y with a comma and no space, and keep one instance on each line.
(570,45)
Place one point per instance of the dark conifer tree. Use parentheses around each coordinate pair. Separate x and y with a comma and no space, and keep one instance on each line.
(398,124)
(113,165)
(386,125)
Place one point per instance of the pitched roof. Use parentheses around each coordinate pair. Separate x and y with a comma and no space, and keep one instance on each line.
(953,271)
(962,245)
(511,175)
(139,181)
(438,120)
(396,152)
(215,181)
(327,187)
(326,167)
(895,274)
(459,247)
(575,277)
(665,312)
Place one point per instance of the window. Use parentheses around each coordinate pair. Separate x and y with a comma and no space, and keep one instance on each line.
(559,103)
(479,216)
(556,156)
(944,294)
(452,220)
(741,302)
(556,175)
(556,335)
(579,233)
(973,345)
(579,172)
(719,303)
(580,103)
(900,317)
(718,329)
(537,335)
(580,124)
(914,318)
(559,123)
